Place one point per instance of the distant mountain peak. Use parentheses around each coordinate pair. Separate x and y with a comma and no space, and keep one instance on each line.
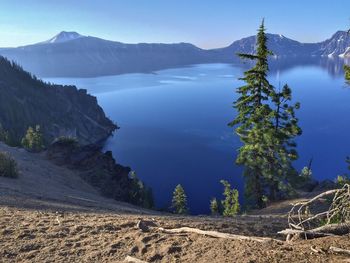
(63,36)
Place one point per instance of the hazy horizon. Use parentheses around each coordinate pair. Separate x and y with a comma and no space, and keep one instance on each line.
(209,25)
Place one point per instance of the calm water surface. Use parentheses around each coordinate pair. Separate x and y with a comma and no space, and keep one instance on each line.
(174,124)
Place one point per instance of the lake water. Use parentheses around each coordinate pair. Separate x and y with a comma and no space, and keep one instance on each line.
(174,124)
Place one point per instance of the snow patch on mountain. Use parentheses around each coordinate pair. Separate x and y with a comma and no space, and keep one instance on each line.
(63,36)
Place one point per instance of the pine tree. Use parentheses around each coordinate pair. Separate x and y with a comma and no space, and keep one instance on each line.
(230,203)
(282,150)
(266,126)
(179,202)
(214,206)
(252,110)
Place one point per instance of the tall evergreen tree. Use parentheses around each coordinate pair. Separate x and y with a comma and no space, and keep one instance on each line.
(266,126)
(179,202)
(251,117)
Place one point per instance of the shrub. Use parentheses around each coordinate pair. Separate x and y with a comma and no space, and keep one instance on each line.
(342,180)
(8,166)
(215,207)
(33,140)
(230,203)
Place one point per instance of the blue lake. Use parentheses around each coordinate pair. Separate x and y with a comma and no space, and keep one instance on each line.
(174,124)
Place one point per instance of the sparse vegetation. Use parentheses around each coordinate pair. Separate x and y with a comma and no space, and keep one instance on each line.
(8,166)
(179,202)
(33,140)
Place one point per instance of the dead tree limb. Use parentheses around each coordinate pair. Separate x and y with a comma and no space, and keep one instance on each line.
(218,234)
(339,250)
(302,221)
(134,260)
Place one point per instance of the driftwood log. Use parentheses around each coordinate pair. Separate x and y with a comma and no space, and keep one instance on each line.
(340,250)
(134,260)
(218,234)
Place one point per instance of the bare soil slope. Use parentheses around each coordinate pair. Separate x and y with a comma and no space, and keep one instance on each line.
(49,214)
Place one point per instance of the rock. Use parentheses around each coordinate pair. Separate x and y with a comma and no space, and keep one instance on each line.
(97,168)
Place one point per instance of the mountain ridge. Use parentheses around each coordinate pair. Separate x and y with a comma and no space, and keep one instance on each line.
(70,54)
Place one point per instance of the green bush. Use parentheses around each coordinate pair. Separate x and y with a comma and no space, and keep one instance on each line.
(33,140)
(341,180)
(8,166)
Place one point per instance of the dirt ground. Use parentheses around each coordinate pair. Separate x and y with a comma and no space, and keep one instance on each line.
(49,214)
(42,236)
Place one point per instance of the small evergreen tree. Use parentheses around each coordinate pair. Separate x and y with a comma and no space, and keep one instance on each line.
(179,202)
(230,203)
(214,206)
(33,140)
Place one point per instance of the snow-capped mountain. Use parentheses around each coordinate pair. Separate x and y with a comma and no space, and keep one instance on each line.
(70,54)
(61,37)
(280,45)
(337,45)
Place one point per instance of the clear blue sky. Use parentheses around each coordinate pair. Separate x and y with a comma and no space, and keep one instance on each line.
(206,23)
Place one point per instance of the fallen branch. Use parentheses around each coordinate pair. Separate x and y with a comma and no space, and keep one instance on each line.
(323,231)
(302,222)
(133,260)
(218,234)
(309,234)
(339,250)
(336,229)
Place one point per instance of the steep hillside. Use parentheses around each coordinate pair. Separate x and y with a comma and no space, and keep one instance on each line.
(59,110)
(41,184)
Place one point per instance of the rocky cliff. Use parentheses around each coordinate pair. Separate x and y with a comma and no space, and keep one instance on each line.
(59,110)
